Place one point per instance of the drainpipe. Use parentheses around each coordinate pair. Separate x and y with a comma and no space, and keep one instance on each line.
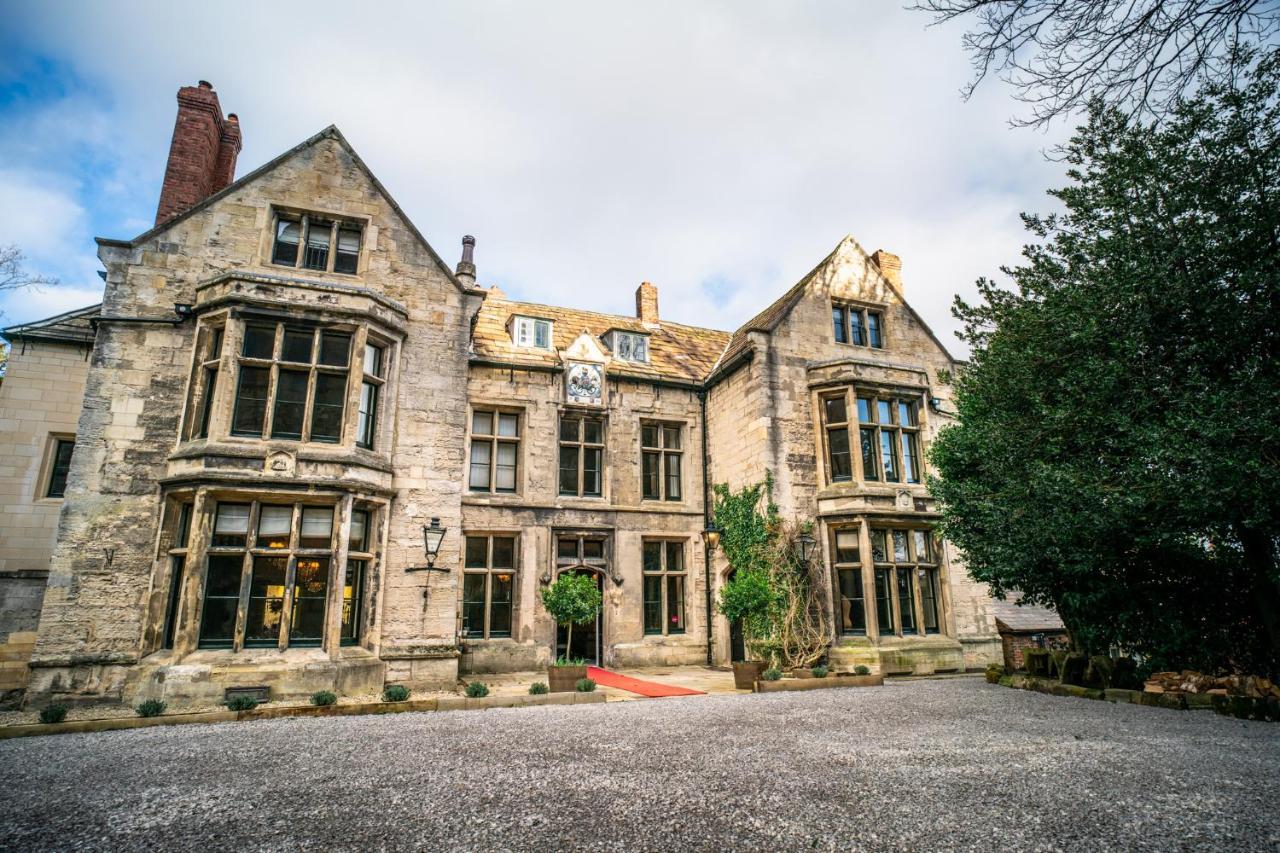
(706,518)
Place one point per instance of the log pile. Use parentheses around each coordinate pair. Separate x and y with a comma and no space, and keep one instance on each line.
(1190,681)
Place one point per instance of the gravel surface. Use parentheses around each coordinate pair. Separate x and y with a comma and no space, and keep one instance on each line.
(949,764)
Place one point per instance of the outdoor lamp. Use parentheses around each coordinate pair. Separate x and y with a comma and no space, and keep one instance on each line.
(711,535)
(806,542)
(432,537)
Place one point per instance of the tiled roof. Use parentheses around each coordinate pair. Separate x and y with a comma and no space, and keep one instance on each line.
(1025,617)
(73,327)
(676,352)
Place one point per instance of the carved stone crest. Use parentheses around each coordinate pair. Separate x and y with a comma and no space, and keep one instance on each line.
(280,463)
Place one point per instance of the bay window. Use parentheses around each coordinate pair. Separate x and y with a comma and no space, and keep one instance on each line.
(908,590)
(888,437)
(292,383)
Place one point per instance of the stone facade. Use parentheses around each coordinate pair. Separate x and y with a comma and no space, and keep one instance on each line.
(290,395)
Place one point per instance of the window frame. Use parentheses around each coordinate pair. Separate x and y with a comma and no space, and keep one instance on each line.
(56,470)
(633,338)
(489,571)
(580,447)
(866,437)
(375,382)
(180,514)
(854,567)
(664,454)
(665,575)
(335,225)
(494,440)
(518,322)
(868,330)
(917,568)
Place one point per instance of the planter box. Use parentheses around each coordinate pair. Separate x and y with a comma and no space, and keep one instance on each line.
(564,679)
(786,684)
(747,673)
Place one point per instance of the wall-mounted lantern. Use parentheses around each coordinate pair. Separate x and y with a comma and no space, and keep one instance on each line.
(711,536)
(805,543)
(432,538)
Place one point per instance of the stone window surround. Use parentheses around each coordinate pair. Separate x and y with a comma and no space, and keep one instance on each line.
(682,453)
(522,424)
(852,308)
(188,612)
(490,534)
(852,390)
(48,459)
(226,365)
(666,573)
(863,525)
(361,223)
(581,446)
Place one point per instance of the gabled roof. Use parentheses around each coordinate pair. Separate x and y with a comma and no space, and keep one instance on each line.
(1016,617)
(72,327)
(677,352)
(330,132)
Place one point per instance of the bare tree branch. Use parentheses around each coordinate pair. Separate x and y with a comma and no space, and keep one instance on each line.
(1138,55)
(13,276)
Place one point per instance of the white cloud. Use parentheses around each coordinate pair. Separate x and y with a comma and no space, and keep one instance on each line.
(717,149)
(35,216)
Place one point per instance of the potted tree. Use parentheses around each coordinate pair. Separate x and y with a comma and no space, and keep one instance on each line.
(747,599)
(574,599)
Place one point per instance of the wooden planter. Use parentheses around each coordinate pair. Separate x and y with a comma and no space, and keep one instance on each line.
(747,673)
(564,679)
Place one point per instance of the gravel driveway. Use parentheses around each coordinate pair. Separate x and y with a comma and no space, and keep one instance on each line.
(946,764)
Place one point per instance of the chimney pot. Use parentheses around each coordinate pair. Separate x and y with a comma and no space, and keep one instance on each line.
(202,154)
(890,266)
(647,303)
(466,270)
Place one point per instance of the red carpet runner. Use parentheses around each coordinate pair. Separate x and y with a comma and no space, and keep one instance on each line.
(634,685)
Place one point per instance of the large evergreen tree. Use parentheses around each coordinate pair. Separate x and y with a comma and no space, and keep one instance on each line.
(1117,454)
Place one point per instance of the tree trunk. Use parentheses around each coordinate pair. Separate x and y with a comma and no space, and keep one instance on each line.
(1259,555)
(568,640)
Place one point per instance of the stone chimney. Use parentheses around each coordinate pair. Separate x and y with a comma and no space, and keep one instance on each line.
(202,155)
(466,270)
(890,266)
(647,303)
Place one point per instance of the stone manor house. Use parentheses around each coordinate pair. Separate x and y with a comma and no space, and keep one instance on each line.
(293,447)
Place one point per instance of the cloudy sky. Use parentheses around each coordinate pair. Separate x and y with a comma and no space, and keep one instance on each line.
(719,150)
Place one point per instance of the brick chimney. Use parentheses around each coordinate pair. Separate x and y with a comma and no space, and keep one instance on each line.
(647,303)
(202,155)
(890,266)
(466,269)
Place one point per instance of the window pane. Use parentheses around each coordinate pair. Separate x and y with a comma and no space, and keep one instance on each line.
(505,470)
(834,410)
(906,413)
(924,553)
(929,599)
(359,538)
(887,457)
(649,435)
(879,552)
(853,612)
(266,601)
(542,334)
(675,604)
(231,525)
(858,327)
(291,404)
(367,416)
(335,349)
(870,470)
(873,324)
(288,233)
(317,527)
(675,556)
(838,445)
(593,432)
(673,476)
(60,468)
(591,471)
(884,603)
(348,254)
(251,401)
(310,591)
(259,341)
(477,552)
(653,604)
(864,410)
(480,451)
(504,552)
(671,437)
(473,604)
(567,548)
(624,346)
(640,350)
(223,578)
(326,410)
(274,526)
(222,595)
(373,360)
(847,546)
(296,346)
(206,401)
(593,549)
(352,600)
(900,546)
(651,557)
(569,428)
(316,256)
(508,425)
(482,423)
(837,324)
(907,600)
(500,584)
(569,470)
(650,478)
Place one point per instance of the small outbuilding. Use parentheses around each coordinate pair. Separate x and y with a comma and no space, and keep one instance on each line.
(1023,626)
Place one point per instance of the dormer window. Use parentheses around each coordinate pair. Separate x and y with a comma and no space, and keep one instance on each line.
(630,347)
(531,332)
(860,327)
(314,243)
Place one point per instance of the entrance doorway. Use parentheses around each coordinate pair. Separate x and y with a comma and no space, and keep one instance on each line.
(586,639)
(737,643)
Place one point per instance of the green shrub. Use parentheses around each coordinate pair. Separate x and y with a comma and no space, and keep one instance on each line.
(323,697)
(395,693)
(55,713)
(477,690)
(862,669)
(242,703)
(585,685)
(771,674)
(537,688)
(574,599)
(151,708)
(570,662)
(995,672)
(819,671)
